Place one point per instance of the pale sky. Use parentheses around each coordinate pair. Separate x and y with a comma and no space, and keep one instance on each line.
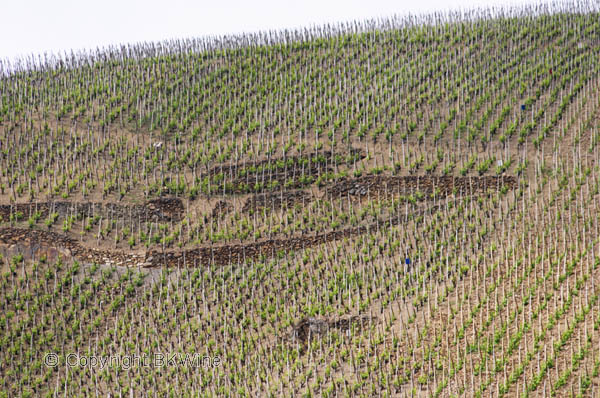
(53,26)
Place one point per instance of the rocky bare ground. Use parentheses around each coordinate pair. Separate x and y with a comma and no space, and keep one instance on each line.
(362,187)
(312,327)
(276,200)
(161,209)
(293,172)
(294,162)
(221,209)
(34,243)
(406,185)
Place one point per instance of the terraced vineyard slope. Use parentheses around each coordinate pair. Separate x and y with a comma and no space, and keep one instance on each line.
(396,208)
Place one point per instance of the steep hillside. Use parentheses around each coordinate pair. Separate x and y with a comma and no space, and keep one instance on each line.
(407,207)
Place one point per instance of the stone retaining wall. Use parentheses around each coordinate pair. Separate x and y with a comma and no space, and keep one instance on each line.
(161,209)
(406,185)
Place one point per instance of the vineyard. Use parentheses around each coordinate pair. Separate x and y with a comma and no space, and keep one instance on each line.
(406,207)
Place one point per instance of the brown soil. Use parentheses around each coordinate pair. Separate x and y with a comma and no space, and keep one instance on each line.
(221,209)
(291,172)
(161,209)
(276,200)
(36,243)
(310,327)
(294,162)
(442,186)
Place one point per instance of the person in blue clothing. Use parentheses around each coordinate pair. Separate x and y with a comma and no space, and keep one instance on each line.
(407,260)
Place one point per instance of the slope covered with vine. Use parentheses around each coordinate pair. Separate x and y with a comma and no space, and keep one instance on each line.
(401,207)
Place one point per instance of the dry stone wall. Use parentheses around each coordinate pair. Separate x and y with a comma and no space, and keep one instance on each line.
(276,200)
(161,209)
(442,185)
(37,243)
